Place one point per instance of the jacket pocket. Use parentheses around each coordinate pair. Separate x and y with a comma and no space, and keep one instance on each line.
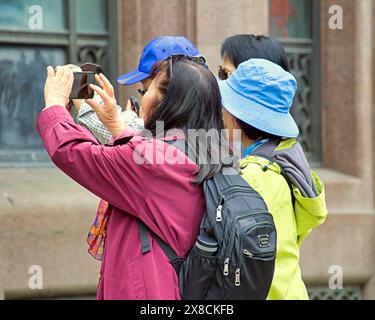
(136,283)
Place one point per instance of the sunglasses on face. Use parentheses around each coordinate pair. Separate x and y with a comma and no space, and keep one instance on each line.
(142,92)
(223,74)
(179,57)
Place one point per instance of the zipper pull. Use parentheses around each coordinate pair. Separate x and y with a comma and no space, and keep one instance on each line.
(248,253)
(237,282)
(226,267)
(218,213)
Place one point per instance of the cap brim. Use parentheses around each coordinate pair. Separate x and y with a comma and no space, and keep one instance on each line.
(132,77)
(260,117)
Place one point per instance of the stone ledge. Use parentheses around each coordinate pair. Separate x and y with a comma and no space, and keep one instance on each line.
(45,218)
(344,192)
(345,240)
(67,292)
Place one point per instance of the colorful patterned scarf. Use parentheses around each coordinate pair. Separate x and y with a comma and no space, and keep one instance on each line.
(98,230)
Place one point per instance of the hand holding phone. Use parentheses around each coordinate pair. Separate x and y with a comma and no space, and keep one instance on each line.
(58,86)
(107,111)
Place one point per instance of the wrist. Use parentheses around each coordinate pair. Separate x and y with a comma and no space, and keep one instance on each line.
(117,128)
(55,102)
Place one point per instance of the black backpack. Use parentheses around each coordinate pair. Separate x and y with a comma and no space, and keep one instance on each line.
(238,225)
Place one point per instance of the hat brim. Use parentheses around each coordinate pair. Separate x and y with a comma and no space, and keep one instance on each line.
(260,117)
(132,77)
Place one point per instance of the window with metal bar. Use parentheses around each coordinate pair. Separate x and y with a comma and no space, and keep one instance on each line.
(68,31)
(296,24)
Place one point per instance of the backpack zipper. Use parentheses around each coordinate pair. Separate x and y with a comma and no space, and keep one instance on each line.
(219,210)
(230,190)
(226,267)
(230,242)
(237,281)
(248,254)
(223,196)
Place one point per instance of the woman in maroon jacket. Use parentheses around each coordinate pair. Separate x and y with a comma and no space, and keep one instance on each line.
(136,175)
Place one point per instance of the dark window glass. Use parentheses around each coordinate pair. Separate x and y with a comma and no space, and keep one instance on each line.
(90,16)
(22,77)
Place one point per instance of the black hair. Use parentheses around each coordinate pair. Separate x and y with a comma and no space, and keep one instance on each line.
(254,133)
(242,47)
(191,100)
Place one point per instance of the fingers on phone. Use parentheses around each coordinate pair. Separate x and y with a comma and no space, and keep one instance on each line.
(106,85)
(59,71)
(69,77)
(50,72)
(100,92)
(97,78)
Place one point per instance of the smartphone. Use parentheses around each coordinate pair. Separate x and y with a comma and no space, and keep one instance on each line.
(135,105)
(81,85)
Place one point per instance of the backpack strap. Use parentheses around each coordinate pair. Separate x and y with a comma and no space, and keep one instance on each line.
(143,236)
(267,153)
(282,171)
(173,258)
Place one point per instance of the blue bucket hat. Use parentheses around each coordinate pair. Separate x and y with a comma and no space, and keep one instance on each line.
(261,93)
(157,50)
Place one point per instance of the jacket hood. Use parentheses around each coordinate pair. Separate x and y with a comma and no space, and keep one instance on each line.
(308,190)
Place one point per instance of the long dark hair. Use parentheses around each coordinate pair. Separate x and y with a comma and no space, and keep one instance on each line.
(192,100)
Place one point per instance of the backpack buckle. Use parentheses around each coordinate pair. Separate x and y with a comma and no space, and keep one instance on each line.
(227,161)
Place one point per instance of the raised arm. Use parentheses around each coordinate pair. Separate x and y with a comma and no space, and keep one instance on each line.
(109,172)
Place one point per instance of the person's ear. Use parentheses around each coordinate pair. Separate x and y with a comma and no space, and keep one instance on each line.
(235,123)
(146,83)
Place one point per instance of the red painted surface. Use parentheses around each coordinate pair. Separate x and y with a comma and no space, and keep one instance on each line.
(281,16)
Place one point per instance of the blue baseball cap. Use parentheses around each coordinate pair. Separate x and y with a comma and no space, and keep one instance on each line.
(157,50)
(261,93)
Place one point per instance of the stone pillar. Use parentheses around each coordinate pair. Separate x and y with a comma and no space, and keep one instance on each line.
(369,288)
(218,19)
(142,20)
(346,58)
(347,237)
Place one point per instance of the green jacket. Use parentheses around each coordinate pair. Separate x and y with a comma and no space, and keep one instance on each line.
(293,224)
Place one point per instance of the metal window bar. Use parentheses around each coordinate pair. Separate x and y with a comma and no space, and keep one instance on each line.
(325,293)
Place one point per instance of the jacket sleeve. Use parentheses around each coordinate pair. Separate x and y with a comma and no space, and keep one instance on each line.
(110,172)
